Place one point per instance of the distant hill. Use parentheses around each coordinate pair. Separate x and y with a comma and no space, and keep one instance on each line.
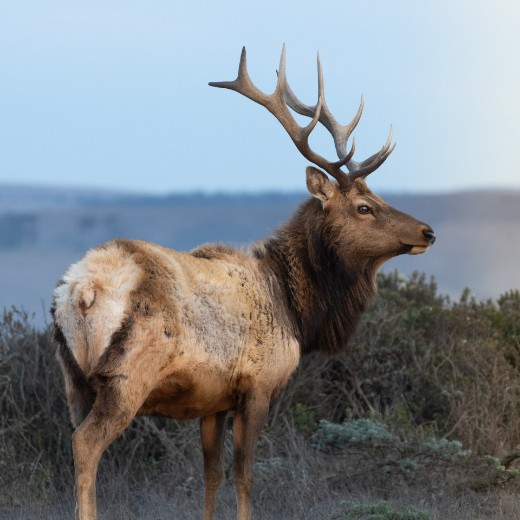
(42,230)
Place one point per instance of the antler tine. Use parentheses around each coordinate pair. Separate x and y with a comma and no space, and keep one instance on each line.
(340,133)
(364,168)
(298,134)
(243,84)
(276,104)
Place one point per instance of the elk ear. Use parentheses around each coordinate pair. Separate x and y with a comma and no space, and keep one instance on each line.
(319,185)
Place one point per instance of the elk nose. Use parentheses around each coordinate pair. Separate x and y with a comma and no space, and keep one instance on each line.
(429,235)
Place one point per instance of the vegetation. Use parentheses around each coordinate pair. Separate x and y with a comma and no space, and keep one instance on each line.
(382,511)
(423,404)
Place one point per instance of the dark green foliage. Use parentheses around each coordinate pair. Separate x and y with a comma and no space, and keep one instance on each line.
(505,318)
(419,360)
(303,419)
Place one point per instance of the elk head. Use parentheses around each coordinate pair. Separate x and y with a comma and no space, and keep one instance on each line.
(360,224)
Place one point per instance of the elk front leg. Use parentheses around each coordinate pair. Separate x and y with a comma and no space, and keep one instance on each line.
(248,423)
(212,429)
(111,413)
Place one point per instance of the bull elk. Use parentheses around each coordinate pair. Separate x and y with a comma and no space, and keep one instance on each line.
(145,330)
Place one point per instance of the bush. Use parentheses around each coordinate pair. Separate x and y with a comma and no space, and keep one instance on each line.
(332,436)
(421,363)
(420,367)
(34,425)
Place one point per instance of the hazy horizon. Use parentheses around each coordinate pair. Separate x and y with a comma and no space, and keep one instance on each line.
(44,231)
(239,192)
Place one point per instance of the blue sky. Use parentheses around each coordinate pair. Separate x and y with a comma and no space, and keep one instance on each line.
(114,94)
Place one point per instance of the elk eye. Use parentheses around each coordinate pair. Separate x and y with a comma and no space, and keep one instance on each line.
(364,209)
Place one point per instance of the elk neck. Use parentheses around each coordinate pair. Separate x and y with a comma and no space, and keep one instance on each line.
(323,293)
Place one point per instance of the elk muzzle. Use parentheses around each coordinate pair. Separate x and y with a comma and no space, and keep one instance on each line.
(428,237)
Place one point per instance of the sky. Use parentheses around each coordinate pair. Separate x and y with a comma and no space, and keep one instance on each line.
(114,94)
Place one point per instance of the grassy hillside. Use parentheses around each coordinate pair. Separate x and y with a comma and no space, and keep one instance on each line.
(417,419)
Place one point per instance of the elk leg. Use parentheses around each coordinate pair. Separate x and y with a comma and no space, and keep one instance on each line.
(80,395)
(248,422)
(212,430)
(111,413)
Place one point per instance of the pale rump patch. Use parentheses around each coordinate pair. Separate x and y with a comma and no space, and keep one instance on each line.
(93,301)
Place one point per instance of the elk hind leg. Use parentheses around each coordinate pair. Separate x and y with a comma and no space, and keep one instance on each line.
(212,430)
(111,413)
(249,420)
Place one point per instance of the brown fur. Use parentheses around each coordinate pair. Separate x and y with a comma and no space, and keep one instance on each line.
(324,295)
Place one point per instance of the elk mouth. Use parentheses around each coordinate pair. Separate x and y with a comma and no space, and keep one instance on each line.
(413,249)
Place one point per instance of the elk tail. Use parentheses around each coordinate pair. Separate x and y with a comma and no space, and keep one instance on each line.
(68,316)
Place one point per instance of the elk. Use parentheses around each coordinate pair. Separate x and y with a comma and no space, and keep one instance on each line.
(146,330)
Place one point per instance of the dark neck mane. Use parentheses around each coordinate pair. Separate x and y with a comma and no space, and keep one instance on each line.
(323,293)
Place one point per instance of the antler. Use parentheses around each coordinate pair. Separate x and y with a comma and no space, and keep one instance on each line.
(277,103)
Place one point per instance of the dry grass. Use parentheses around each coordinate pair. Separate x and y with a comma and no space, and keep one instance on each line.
(424,367)
(310,487)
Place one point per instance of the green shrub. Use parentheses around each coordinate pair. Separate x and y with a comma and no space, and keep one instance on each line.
(425,365)
(334,436)
(444,448)
(304,420)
